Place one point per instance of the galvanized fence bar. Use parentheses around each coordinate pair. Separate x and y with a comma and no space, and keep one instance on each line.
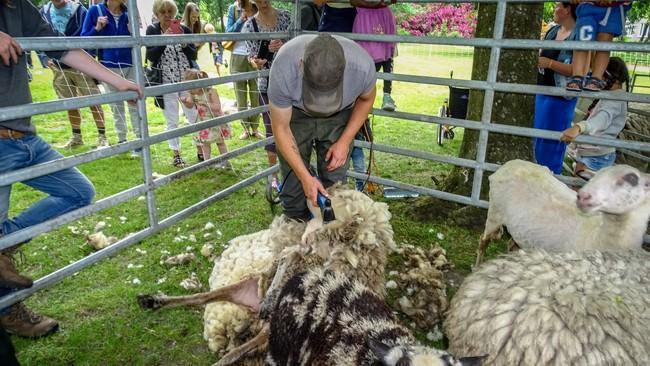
(488,101)
(126,242)
(495,126)
(68,162)
(81,102)
(147,169)
(121,197)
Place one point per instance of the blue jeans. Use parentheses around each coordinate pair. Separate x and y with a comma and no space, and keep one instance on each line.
(67,189)
(359,165)
(598,162)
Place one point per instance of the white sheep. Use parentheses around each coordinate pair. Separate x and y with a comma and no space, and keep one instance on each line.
(610,213)
(586,308)
(356,243)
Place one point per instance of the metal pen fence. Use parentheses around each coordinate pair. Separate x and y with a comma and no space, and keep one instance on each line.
(486,125)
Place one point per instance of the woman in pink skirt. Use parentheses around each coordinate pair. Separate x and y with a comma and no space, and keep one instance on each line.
(377,18)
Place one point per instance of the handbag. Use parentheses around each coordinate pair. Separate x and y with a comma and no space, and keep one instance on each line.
(153,77)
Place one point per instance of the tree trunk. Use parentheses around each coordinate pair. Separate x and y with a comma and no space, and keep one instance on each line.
(523,21)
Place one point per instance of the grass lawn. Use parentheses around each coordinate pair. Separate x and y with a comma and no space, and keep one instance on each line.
(100,321)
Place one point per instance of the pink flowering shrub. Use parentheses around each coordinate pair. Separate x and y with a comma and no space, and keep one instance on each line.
(444,20)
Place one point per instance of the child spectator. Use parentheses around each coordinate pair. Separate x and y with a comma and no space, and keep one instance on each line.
(605,119)
(207,103)
(216,50)
(597,21)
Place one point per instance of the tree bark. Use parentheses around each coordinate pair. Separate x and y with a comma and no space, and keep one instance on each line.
(523,21)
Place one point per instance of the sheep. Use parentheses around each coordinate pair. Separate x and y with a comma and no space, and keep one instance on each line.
(356,243)
(326,319)
(566,308)
(609,213)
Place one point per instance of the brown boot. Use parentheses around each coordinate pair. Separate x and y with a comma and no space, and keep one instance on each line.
(9,276)
(25,323)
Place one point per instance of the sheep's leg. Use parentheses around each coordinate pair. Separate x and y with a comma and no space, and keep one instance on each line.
(512,245)
(243,293)
(493,230)
(255,346)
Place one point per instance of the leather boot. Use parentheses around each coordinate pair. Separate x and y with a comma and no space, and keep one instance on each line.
(9,276)
(23,322)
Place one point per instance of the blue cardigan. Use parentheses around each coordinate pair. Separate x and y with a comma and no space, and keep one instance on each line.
(109,57)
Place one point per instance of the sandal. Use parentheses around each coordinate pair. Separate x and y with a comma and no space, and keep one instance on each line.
(178,161)
(574,83)
(593,84)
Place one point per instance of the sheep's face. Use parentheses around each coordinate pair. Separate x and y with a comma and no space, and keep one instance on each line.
(404,355)
(615,190)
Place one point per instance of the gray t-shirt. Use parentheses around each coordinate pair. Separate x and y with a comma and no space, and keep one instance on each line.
(285,80)
(22,19)
(606,120)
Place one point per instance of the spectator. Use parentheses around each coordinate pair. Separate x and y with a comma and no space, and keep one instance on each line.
(310,14)
(377,18)
(111,19)
(336,17)
(246,90)
(208,106)
(600,21)
(321,89)
(66,17)
(192,20)
(260,55)
(173,60)
(21,148)
(216,50)
(606,119)
(551,112)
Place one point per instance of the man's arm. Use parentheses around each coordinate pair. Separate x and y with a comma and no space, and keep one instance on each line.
(337,154)
(286,144)
(82,61)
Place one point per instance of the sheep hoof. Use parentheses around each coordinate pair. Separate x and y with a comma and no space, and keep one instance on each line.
(149,302)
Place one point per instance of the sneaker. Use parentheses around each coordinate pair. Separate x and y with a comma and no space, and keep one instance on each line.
(224,165)
(25,323)
(259,135)
(388,104)
(102,142)
(135,154)
(244,135)
(178,162)
(9,276)
(75,140)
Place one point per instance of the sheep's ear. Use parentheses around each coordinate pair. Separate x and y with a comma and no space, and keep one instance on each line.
(472,361)
(379,348)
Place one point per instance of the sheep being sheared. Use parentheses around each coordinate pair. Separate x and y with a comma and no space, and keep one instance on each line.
(356,243)
(323,318)
(568,308)
(609,213)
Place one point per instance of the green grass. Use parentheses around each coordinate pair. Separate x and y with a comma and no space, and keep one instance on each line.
(100,322)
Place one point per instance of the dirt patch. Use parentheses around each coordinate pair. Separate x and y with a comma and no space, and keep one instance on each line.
(433,209)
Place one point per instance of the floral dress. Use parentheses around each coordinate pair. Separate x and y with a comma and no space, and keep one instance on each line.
(213,134)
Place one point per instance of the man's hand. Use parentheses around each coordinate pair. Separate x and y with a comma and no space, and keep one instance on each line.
(101,23)
(9,49)
(337,155)
(570,134)
(311,186)
(257,63)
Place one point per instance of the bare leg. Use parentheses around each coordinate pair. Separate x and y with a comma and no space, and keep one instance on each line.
(207,150)
(602,57)
(243,293)
(222,147)
(98,116)
(218,69)
(75,118)
(580,63)
(255,346)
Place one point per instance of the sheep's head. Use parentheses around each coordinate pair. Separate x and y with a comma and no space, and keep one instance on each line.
(615,190)
(404,355)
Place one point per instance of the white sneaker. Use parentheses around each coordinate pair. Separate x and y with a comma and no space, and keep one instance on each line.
(135,154)
(74,141)
(102,142)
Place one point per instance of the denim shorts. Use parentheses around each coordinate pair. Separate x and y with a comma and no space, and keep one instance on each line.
(596,163)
